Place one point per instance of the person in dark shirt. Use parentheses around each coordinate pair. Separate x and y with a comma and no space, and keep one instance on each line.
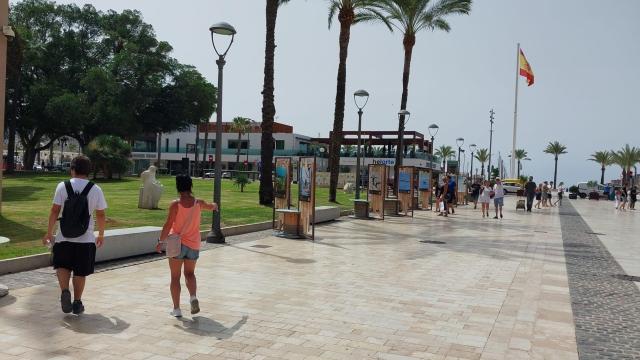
(530,192)
(451,191)
(633,194)
(475,193)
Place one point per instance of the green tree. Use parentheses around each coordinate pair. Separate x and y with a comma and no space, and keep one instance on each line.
(265,193)
(240,125)
(349,12)
(110,155)
(411,17)
(626,157)
(241,181)
(482,155)
(444,152)
(556,149)
(520,154)
(604,158)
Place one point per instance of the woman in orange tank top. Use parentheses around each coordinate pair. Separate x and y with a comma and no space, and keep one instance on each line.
(184,219)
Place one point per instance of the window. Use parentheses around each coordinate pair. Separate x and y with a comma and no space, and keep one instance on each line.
(279,144)
(166,145)
(212,143)
(233,144)
(177,145)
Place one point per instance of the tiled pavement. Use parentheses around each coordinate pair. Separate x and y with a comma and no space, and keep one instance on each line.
(493,289)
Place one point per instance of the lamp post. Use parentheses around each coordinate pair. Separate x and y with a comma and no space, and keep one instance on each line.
(433,131)
(361,95)
(491,117)
(472,148)
(403,118)
(224,29)
(459,142)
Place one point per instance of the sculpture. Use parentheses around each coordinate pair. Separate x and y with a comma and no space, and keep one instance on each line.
(151,189)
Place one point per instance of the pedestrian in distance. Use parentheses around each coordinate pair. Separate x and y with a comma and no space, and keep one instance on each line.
(550,195)
(545,194)
(485,198)
(538,197)
(560,194)
(444,196)
(475,193)
(623,198)
(74,244)
(633,196)
(530,192)
(439,191)
(618,195)
(452,191)
(183,221)
(498,197)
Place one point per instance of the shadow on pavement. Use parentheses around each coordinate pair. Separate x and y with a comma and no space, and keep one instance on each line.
(94,324)
(7,300)
(286,258)
(203,326)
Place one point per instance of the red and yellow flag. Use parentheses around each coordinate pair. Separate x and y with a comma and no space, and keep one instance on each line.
(525,69)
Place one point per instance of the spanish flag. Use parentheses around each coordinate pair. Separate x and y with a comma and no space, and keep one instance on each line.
(525,69)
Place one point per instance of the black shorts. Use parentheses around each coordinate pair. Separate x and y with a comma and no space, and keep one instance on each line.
(79,258)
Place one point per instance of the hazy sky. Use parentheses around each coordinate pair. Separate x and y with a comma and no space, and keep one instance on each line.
(584,54)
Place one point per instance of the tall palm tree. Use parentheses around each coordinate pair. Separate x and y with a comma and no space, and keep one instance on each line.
(268,104)
(604,158)
(350,12)
(444,152)
(482,155)
(411,17)
(626,157)
(519,155)
(241,126)
(556,149)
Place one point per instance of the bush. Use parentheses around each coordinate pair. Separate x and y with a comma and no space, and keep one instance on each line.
(110,155)
(574,189)
(241,181)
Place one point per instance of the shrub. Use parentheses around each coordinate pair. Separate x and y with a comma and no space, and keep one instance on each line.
(241,181)
(574,189)
(110,155)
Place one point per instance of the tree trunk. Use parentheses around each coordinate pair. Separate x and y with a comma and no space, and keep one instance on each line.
(159,156)
(409,41)
(482,171)
(238,152)
(519,170)
(602,176)
(11,146)
(555,173)
(265,192)
(346,20)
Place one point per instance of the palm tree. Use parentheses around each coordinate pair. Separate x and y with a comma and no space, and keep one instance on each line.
(240,125)
(626,157)
(556,149)
(268,104)
(519,155)
(350,12)
(482,155)
(604,158)
(410,17)
(444,152)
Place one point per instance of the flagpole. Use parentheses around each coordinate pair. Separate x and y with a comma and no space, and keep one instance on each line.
(515,116)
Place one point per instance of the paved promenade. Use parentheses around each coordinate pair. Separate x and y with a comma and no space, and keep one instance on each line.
(426,287)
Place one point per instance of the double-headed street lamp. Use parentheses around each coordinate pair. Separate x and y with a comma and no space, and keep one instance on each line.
(433,131)
(403,118)
(459,142)
(360,96)
(224,29)
(472,148)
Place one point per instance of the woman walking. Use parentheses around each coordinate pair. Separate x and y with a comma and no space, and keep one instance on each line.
(560,194)
(538,196)
(618,195)
(623,198)
(485,197)
(184,221)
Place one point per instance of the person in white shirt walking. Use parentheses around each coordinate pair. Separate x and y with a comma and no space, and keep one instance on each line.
(498,197)
(74,245)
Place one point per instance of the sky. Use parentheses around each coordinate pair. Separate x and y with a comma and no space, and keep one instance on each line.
(584,54)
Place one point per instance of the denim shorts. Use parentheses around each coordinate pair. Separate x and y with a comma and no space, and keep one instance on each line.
(187,253)
(498,201)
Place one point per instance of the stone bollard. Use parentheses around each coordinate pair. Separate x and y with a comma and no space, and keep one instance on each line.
(4,290)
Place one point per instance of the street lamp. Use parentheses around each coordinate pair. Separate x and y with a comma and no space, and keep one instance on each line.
(433,131)
(403,118)
(459,142)
(362,96)
(472,148)
(223,29)
(491,117)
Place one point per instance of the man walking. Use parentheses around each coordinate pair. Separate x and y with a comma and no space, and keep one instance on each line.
(498,198)
(530,192)
(74,245)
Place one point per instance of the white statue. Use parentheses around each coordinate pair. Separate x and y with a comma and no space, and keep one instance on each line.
(349,188)
(151,189)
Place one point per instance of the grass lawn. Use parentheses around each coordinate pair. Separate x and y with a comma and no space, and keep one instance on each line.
(27,200)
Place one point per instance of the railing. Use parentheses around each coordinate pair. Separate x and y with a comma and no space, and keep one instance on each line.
(243,152)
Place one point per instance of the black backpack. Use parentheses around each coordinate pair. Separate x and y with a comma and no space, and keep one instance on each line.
(75,214)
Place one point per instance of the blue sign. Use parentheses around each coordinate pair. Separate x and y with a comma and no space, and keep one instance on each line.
(424,181)
(404,181)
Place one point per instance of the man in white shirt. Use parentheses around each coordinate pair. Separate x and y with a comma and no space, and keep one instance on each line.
(76,254)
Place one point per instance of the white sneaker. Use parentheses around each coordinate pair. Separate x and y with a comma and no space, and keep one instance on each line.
(176,313)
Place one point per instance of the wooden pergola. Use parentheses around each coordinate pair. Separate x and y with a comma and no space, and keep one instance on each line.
(387,139)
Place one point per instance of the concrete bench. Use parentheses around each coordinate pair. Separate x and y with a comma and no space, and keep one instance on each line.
(326,213)
(122,243)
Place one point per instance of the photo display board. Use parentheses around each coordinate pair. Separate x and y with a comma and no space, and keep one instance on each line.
(377,190)
(405,189)
(424,180)
(404,179)
(282,177)
(307,195)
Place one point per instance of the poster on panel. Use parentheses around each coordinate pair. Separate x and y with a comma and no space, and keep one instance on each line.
(306,178)
(404,180)
(424,180)
(376,179)
(282,176)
